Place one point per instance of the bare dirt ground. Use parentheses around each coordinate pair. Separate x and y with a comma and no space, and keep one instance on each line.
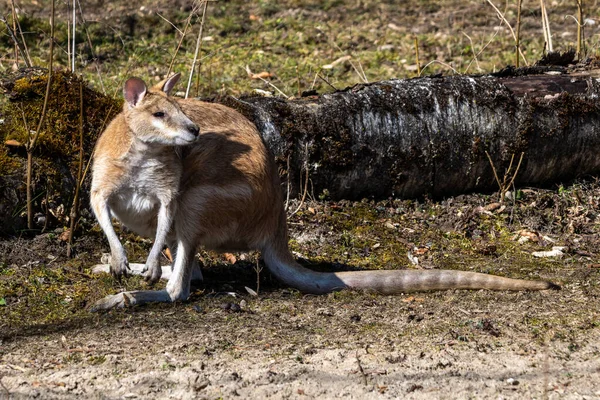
(316,348)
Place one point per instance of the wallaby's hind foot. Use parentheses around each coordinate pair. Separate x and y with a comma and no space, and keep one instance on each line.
(127,299)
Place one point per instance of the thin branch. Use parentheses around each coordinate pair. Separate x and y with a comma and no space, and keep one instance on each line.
(74,52)
(580,24)
(298,80)
(506,183)
(305,184)
(14,28)
(16,41)
(516,170)
(546,26)
(314,81)
(494,169)
(258,269)
(273,86)
(18,27)
(518,38)
(287,196)
(482,49)
(473,51)
(362,76)
(512,159)
(503,19)
(75,206)
(170,23)
(326,81)
(417,55)
(198,47)
(441,63)
(187,25)
(89,40)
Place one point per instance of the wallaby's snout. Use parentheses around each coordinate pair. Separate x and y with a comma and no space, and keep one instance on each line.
(194,130)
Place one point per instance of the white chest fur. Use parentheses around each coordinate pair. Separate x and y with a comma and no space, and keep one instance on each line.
(152,180)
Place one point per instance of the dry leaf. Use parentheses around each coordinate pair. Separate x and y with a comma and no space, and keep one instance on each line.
(64,236)
(557,251)
(413,299)
(526,236)
(261,75)
(395,27)
(336,62)
(492,206)
(230,258)
(420,250)
(168,255)
(12,142)
(413,260)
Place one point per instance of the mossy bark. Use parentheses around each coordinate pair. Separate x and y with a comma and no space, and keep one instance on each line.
(428,136)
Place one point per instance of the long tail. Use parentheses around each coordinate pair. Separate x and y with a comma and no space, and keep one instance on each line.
(282,264)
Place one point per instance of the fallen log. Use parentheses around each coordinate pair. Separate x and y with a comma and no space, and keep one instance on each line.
(428,136)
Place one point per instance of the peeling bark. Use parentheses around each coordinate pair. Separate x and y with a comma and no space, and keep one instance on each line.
(428,136)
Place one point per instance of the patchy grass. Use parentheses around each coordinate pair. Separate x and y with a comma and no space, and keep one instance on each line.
(295,40)
(40,287)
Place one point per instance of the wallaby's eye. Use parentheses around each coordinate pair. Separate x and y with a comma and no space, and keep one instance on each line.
(158,114)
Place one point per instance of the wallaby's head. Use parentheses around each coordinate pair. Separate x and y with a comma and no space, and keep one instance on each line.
(153,116)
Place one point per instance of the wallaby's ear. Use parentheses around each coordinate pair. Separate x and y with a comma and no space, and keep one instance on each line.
(134,91)
(167,84)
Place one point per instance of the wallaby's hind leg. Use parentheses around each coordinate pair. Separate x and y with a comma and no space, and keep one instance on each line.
(178,287)
(196,268)
(181,277)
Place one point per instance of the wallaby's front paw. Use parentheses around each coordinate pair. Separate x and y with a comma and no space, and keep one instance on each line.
(152,271)
(119,266)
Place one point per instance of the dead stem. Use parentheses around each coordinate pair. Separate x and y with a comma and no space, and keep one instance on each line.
(75,206)
(197,51)
(518,35)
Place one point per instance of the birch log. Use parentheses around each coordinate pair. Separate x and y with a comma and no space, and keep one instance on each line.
(428,136)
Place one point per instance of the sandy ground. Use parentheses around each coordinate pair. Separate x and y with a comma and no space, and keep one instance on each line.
(281,345)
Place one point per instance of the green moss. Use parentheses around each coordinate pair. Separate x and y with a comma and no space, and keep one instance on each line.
(56,155)
(59,136)
(8,163)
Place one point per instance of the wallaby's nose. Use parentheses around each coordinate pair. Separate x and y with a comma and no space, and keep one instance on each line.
(193,129)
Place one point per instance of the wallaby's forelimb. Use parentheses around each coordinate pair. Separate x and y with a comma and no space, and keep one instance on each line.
(118,260)
(152,271)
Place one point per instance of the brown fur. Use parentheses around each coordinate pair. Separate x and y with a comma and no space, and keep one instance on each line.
(229,198)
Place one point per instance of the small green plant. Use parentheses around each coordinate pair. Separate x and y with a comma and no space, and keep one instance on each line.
(96,360)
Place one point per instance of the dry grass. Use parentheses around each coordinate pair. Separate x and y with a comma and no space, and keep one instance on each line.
(294,40)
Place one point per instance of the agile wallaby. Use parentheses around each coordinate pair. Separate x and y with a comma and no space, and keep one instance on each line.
(195,174)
